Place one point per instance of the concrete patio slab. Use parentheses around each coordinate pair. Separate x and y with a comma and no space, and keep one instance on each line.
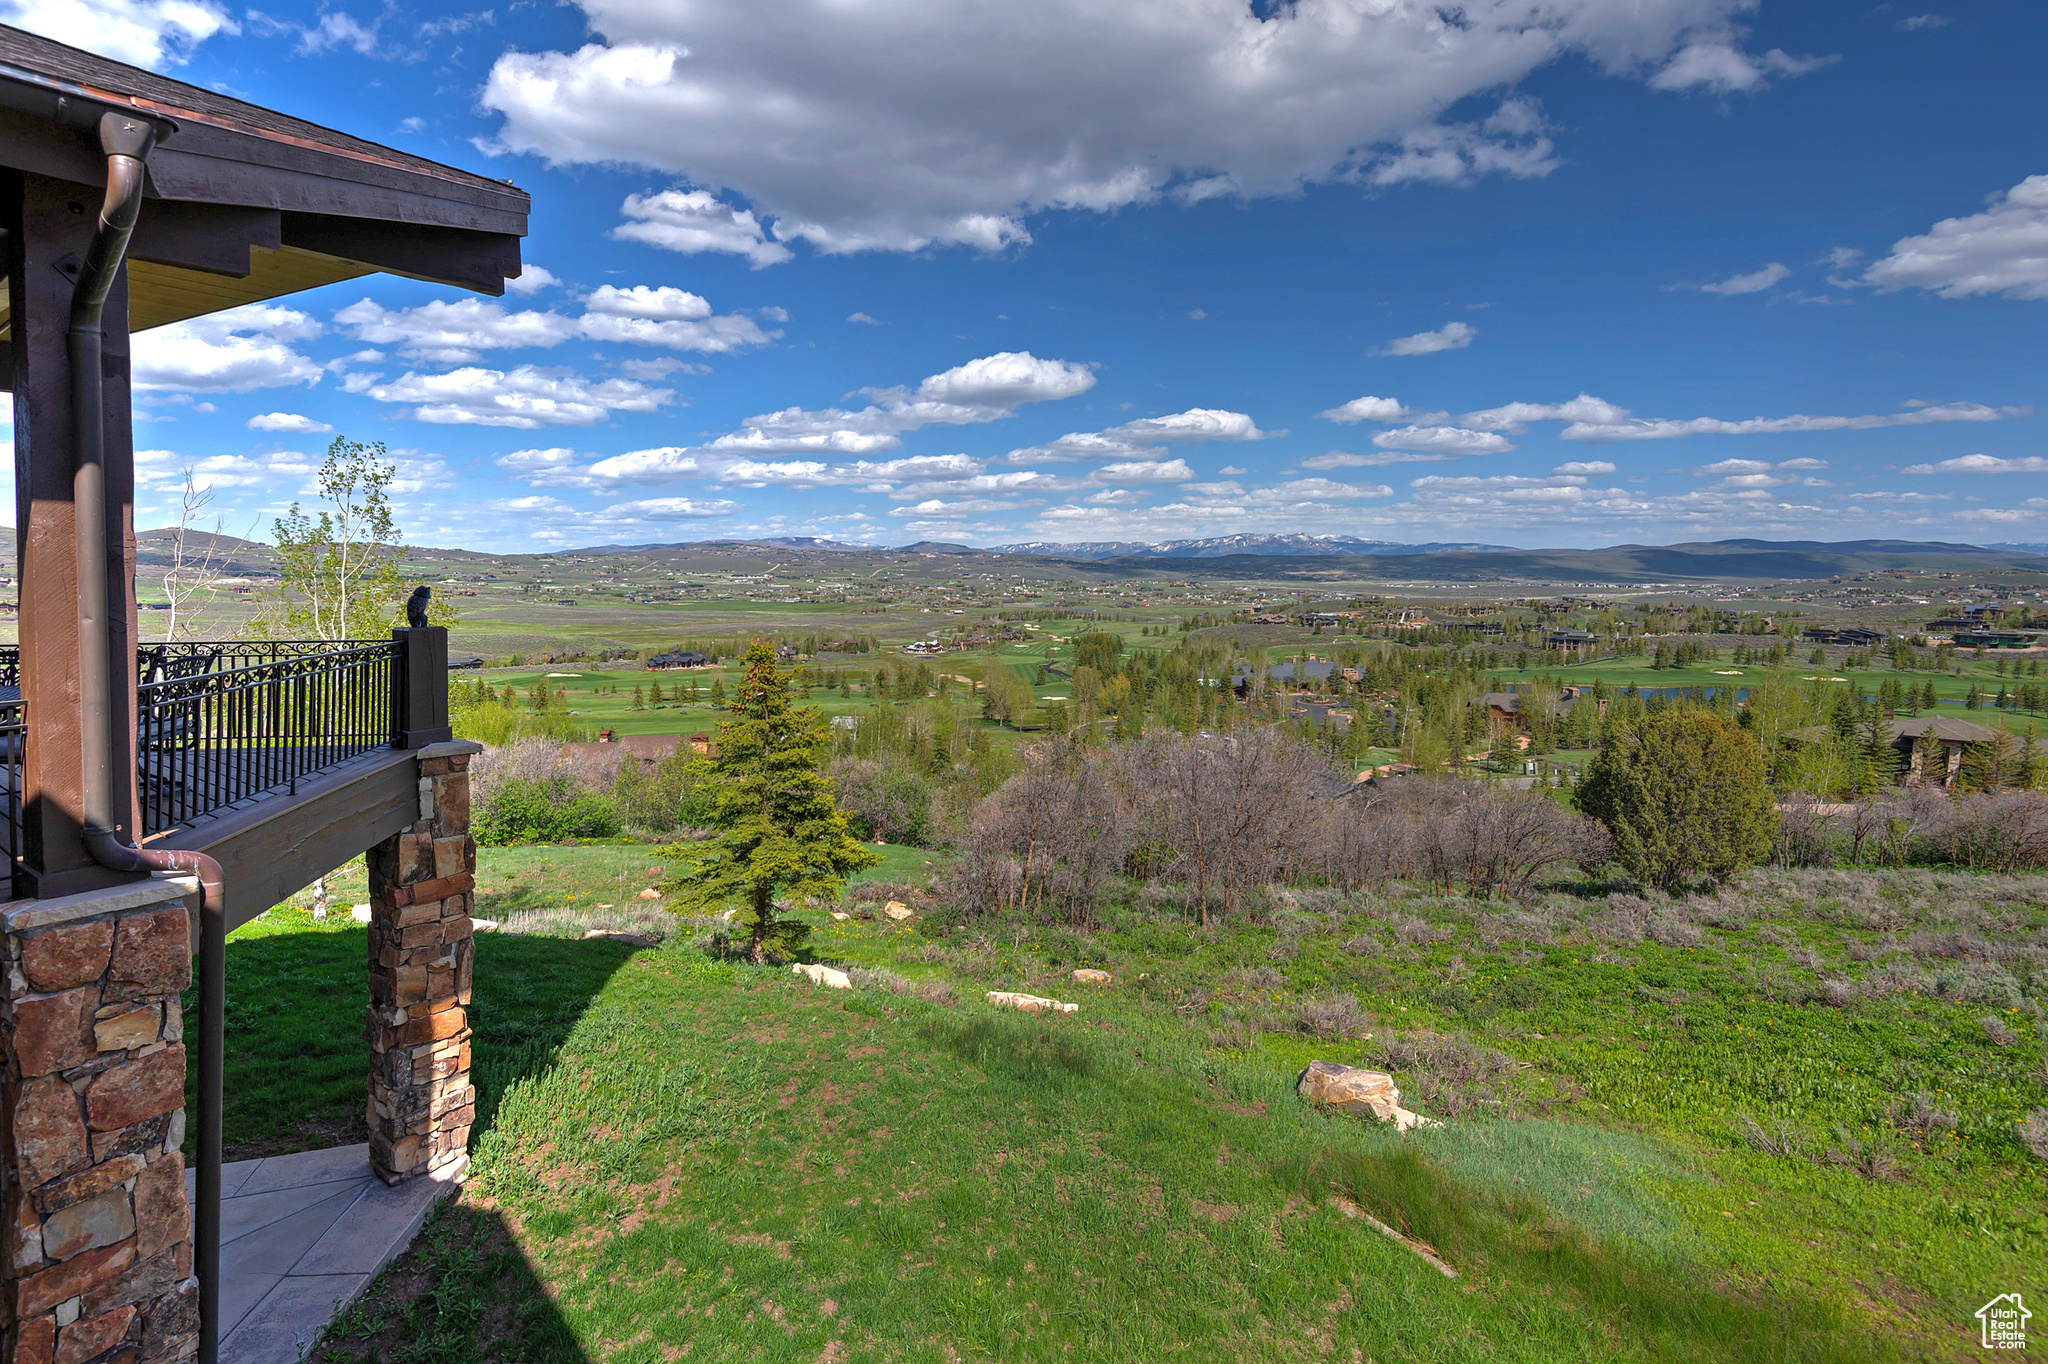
(301,1237)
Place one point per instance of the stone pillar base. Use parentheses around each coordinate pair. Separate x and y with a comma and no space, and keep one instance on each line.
(421,1103)
(98,1252)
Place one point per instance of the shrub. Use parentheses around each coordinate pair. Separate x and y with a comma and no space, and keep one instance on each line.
(2032,1131)
(1997,1032)
(1684,794)
(548,810)
(883,800)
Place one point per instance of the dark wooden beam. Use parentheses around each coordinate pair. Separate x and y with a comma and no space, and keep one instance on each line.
(218,165)
(281,844)
(482,261)
(215,238)
(49,220)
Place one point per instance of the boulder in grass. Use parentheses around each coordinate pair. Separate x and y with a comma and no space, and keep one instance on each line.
(360,913)
(818,974)
(841,915)
(634,940)
(1092,976)
(1030,1004)
(483,925)
(1350,1089)
(896,909)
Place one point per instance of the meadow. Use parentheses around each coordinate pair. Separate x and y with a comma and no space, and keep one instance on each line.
(1774,1123)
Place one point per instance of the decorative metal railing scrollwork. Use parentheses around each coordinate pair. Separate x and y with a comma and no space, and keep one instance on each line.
(210,734)
(219,723)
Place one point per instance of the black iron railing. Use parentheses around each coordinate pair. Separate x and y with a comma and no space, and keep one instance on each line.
(13,739)
(212,731)
(218,723)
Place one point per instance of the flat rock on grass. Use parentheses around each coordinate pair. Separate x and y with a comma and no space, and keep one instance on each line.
(1089,975)
(819,974)
(896,909)
(1030,1004)
(1350,1089)
(635,940)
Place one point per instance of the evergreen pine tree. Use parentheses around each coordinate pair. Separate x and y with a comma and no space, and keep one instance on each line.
(639,701)
(1683,793)
(781,833)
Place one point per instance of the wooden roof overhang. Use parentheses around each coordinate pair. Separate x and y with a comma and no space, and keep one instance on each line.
(243,203)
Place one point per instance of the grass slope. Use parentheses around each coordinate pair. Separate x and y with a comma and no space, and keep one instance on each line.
(677,1156)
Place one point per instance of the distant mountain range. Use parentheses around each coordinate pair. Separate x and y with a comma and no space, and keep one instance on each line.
(1221,546)
(1306,558)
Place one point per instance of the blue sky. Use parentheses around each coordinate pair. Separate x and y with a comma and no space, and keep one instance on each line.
(1645,270)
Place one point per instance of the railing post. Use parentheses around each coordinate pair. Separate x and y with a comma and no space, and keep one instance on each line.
(419,688)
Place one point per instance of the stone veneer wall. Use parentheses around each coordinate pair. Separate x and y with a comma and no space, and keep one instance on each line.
(98,1256)
(421,946)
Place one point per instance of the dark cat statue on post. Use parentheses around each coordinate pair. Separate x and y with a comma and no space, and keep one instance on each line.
(416,607)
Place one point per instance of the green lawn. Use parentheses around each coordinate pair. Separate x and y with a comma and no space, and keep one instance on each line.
(1664,1137)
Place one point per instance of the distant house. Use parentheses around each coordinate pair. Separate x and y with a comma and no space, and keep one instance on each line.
(1997,639)
(1312,670)
(1570,639)
(1931,748)
(1853,637)
(1505,706)
(1319,715)
(678,658)
(1321,618)
(1912,737)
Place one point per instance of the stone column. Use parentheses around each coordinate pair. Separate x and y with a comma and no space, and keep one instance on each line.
(421,882)
(98,1256)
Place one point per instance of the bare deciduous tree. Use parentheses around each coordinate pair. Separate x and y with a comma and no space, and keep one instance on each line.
(191,570)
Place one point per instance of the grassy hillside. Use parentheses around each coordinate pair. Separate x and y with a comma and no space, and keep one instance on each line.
(1767,1125)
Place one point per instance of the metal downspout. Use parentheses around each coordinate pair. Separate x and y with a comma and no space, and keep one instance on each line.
(126,141)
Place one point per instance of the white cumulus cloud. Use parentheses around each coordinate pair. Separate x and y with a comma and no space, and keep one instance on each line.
(1722,68)
(1443,440)
(1984,464)
(2003,250)
(1753,283)
(893,127)
(453,332)
(287,423)
(1144,437)
(1367,409)
(694,221)
(531,280)
(1641,428)
(1450,336)
(527,397)
(237,351)
(151,33)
